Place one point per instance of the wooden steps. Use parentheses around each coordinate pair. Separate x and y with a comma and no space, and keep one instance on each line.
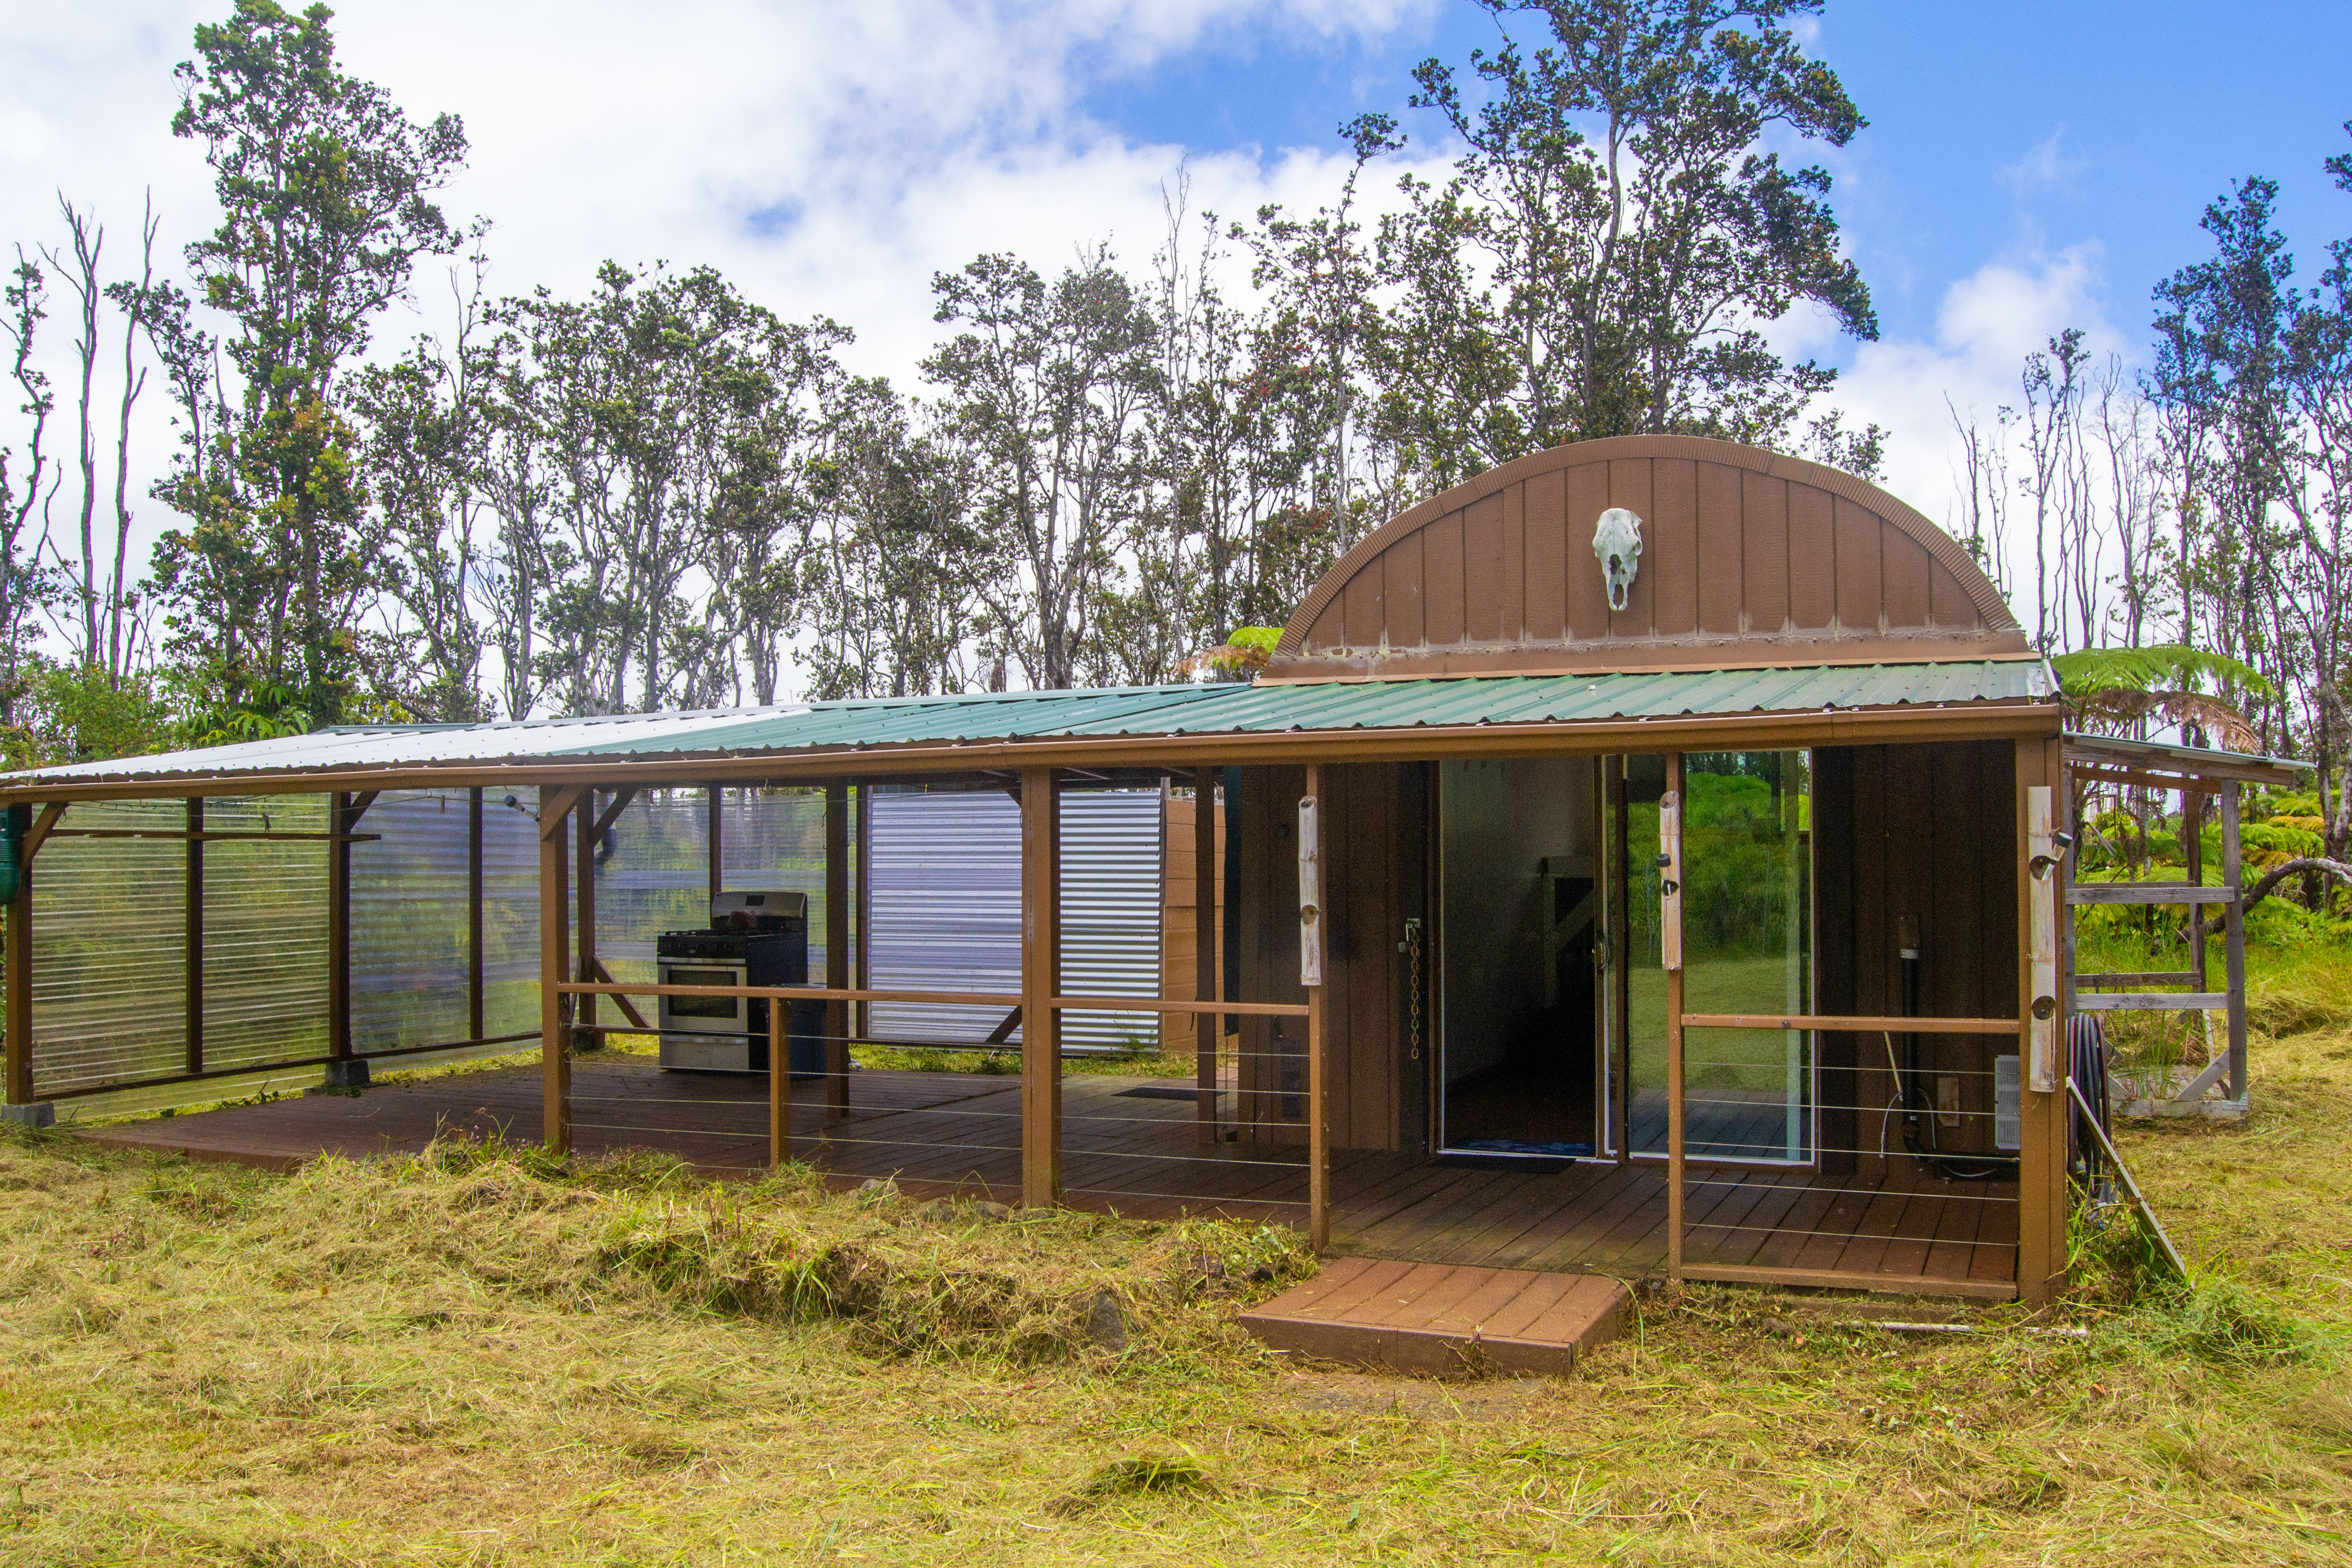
(1443,1320)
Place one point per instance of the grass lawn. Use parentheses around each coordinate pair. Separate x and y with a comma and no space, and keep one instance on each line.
(477,1359)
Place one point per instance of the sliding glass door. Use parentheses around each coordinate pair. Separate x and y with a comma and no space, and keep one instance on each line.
(1748,920)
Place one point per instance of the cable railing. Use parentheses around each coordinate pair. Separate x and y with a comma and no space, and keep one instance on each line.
(1239,1156)
(1910,1173)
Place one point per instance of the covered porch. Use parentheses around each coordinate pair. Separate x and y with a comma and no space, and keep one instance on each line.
(1134,1151)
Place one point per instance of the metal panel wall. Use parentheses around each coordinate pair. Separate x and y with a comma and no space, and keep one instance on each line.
(1112,862)
(946,889)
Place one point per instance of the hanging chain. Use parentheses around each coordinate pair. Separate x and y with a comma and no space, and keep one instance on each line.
(1412,946)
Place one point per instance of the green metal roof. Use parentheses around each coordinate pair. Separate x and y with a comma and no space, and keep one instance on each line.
(880,723)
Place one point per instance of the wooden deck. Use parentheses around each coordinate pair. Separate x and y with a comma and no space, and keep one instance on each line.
(1443,1320)
(1131,1145)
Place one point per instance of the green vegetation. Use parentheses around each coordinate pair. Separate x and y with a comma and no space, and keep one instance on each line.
(484,1357)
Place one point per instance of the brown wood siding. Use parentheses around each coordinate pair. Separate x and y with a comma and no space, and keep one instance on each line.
(1670,555)
(1927,832)
(1370,820)
(1812,558)
(1178,933)
(1721,527)
(1441,542)
(1546,556)
(1402,564)
(1860,590)
(1764,544)
(1483,572)
(1738,548)
(1586,491)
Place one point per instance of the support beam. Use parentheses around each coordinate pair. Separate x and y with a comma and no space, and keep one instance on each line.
(474,960)
(583,882)
(1040,1026)
(20,961)
(780,1082)
(1205,959)
(194,989)
(836,951)
(862,901)
(2192,855)
(2042,1112)
(554,955)
(2233,937)
(1670,945)
(714,831)
(339,926)
(1312,858)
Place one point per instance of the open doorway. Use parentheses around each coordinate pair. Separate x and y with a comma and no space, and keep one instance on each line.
(1519,924)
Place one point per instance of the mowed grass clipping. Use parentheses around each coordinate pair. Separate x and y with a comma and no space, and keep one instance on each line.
(484,1357)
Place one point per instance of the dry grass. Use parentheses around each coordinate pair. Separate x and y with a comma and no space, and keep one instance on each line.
(479,1358)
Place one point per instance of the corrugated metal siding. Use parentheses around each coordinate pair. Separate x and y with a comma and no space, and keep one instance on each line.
(946,891)
(1111,867)
(110,971)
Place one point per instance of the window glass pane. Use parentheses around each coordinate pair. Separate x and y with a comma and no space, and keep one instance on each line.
(1747,949)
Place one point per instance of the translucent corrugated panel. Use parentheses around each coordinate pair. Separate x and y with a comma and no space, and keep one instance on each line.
(653,870)
(110,949)
(775,838)
(410,959)
(510,912)
(264,931)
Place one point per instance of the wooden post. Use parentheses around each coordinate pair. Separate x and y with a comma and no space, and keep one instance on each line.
(194,991)
(20,965)
(2193,857)
(780,1082)
(583,882)
(1311,935)
(1041,1023)
(714,830)
(1618,980)
(554,955)
(1205,960)
(836,949)
(477,1012)
(2234,935)
(862,900)
(339,926)
(2042,1112)
(1670,944)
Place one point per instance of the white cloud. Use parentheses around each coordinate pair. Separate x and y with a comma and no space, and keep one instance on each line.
(828,158)
(2047,166)
(1987,324)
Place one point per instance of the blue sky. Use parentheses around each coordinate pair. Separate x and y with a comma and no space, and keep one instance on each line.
(2028,167)
(1996,127)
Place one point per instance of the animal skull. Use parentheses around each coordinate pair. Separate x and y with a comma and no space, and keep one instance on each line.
(1617,541)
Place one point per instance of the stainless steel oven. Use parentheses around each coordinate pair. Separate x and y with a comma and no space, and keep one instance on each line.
(705,1014)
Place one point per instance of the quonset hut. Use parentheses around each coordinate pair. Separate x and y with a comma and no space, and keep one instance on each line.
(1647,854)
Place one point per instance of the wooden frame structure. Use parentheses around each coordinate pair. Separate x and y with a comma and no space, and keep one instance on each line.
(1779,607)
